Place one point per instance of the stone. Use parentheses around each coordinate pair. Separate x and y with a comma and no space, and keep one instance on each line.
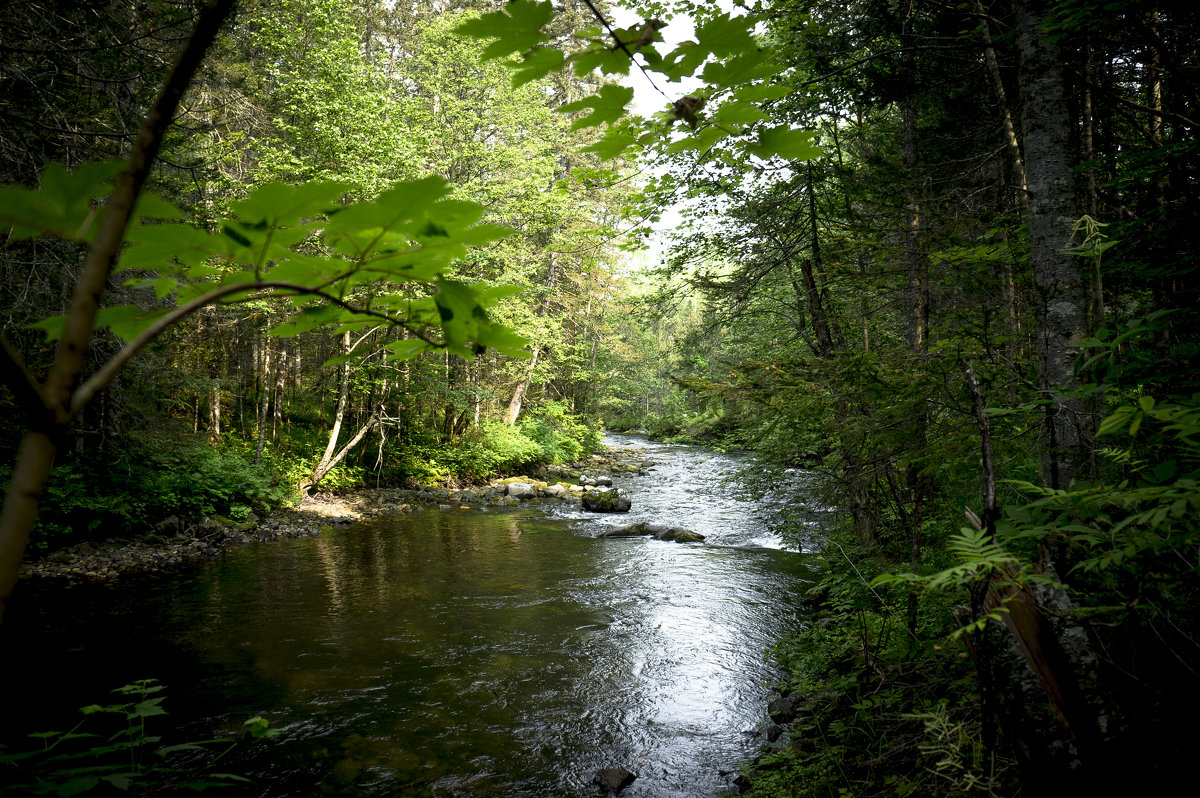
(607,500)
(678,535)
(521,490)
(613,780)
(657,531)
(783,709)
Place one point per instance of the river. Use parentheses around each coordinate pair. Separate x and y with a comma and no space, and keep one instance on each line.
(454,652)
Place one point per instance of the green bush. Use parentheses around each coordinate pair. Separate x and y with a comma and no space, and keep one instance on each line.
(205,480)
(492,449)
(563,437)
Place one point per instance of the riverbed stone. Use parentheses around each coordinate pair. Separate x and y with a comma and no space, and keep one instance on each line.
(521,490)
(607,500)
(657,531)
(613,780)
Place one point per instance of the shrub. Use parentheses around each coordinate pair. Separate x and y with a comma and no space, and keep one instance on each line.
(563,437)
(492,449)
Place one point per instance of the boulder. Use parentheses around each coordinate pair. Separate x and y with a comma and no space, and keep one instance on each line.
(521,490)
(679,535)
(607,500)
(783,709)
(556,491)
(613,780)
(657,531)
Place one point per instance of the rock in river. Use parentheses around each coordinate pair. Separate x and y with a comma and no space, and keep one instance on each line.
(607,500)
(657,531)
(613,780)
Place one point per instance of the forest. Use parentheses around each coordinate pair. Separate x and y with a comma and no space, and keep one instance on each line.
(936,254)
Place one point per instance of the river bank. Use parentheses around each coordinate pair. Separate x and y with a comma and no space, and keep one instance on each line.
(177,541)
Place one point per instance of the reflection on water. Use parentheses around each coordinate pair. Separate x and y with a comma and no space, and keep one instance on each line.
(459,652)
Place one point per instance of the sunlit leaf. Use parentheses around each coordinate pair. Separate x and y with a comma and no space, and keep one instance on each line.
(611,145)
(515,29)
(537,64)
(607,106)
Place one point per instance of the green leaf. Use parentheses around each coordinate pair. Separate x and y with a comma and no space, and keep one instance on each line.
(338,360)
(685,59)
(789,144)
(724,36)
(150,205)
(62,206)
(364,225)
(403,350)
(738,114)
(490,296)
(503,340)
(607,106)
(515,31)
(537,64)
(157,246)
(611,145)
(238,238)
(753,65)
(760,92)
(279,204)
(605,59)
(149,708)
(125,321)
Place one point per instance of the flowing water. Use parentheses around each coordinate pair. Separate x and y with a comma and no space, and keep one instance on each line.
(456,652)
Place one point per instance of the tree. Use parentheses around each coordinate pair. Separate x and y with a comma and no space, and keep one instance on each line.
(335,264)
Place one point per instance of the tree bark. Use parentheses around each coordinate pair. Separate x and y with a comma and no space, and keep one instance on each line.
(264,382)
(327,464)
(1052,211)
(518,397)
(214,411)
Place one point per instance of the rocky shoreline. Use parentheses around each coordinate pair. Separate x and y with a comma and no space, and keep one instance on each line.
(176,541)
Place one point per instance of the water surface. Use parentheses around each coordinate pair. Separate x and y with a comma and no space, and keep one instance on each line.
(457,652)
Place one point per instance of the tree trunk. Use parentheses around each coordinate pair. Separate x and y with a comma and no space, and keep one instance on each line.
(518,397)
(214,411)
(1016,163)
(264,399)
(339,415)
(327,464)
(1052,211)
